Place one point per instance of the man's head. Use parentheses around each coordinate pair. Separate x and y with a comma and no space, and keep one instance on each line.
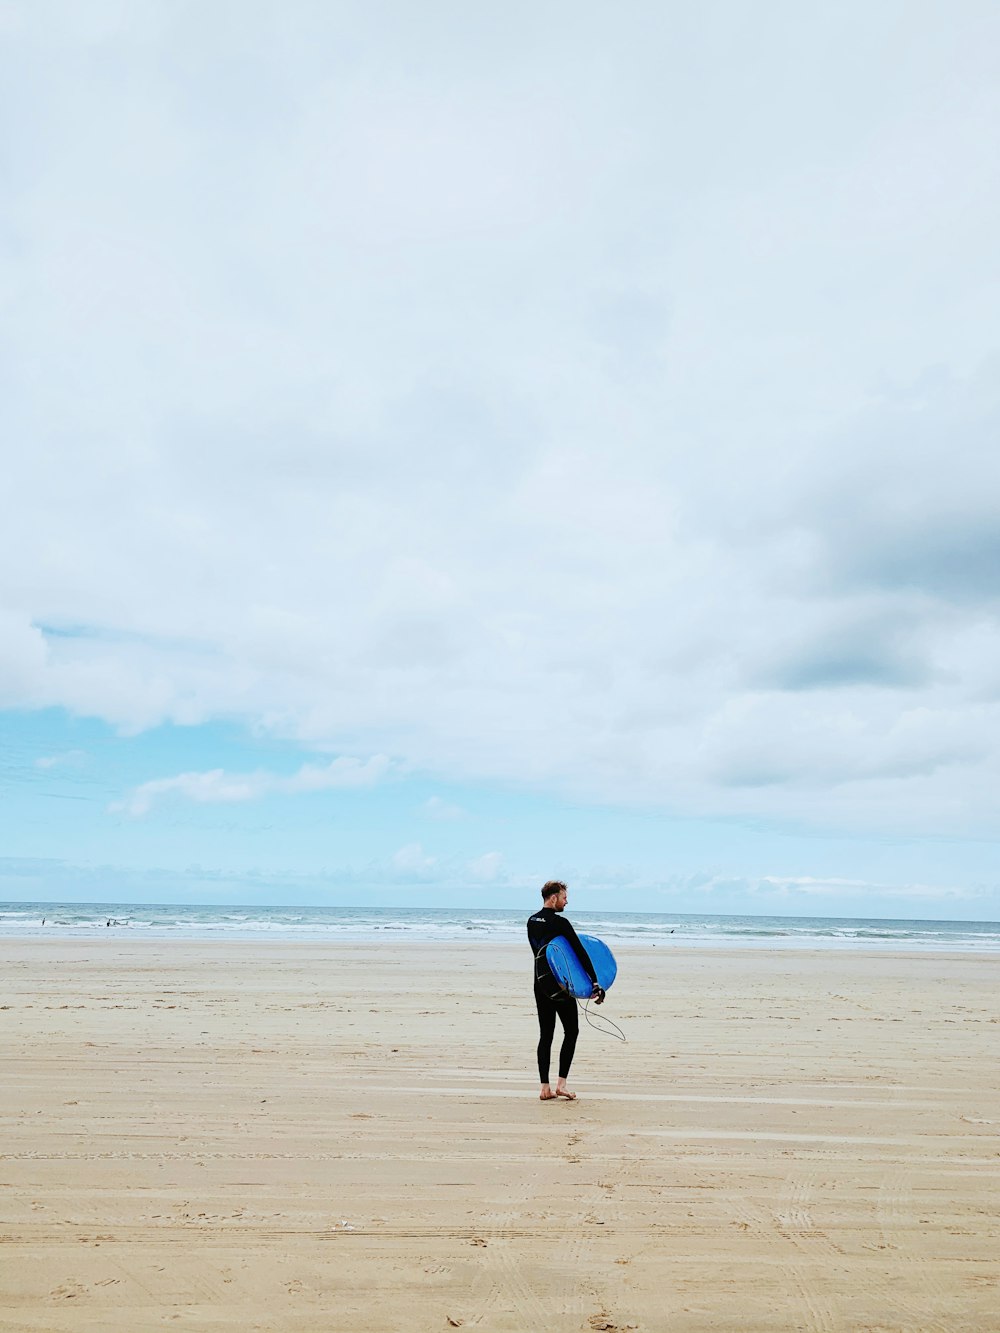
(554,895)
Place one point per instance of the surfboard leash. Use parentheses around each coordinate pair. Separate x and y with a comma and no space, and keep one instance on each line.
(618,1034)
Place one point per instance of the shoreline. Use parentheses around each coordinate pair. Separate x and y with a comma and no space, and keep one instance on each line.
(497,942)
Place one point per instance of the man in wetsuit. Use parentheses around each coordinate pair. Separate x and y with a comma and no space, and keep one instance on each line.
(550,998)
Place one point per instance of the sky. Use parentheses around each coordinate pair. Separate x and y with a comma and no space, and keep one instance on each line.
(450,446)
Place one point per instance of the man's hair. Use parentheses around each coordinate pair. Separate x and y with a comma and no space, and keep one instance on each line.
(553,887)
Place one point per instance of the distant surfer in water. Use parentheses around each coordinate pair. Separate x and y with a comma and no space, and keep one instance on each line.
(550,998)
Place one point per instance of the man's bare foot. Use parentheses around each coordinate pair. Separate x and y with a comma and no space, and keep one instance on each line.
(563,1091)
(546,1094)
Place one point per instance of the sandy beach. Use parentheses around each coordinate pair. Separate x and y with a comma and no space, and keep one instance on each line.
(278,1136)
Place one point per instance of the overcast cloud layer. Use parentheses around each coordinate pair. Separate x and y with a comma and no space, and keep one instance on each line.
(601,397)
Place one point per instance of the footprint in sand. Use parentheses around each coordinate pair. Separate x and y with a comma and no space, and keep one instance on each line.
(68,1291)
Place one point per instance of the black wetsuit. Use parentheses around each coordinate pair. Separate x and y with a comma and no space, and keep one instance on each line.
(550,998)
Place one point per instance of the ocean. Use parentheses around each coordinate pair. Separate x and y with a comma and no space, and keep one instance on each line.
(673,930)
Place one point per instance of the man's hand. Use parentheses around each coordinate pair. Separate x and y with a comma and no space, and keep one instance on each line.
(598,994)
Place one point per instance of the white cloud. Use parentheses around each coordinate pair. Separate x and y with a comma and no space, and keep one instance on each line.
(436,808)
(580,420)
(861,891)
(217,786)
(411,859)
(486,867)
(68,759)
(22,657)
(345,771)
(211,786)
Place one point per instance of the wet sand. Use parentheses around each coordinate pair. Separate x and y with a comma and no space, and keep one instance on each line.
(277,1136)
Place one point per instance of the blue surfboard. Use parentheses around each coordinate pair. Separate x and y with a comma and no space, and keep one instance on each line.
(568,970)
